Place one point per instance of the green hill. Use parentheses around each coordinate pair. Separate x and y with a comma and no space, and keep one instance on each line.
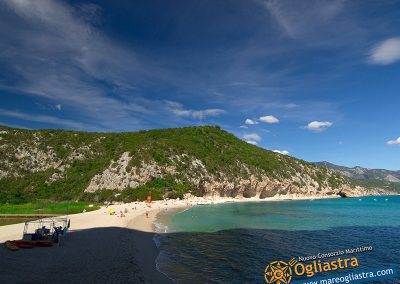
(65,165)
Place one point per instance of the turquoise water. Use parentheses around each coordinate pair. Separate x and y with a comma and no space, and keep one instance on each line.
(232,243)
(318,214)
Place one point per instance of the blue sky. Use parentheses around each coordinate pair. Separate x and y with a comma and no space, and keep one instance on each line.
(318,79)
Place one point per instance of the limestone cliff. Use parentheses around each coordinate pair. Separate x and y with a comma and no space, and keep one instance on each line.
(206,160)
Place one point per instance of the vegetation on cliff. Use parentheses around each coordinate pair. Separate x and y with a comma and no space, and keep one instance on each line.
(61,165)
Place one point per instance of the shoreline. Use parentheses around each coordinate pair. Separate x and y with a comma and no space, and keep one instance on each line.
(103,242)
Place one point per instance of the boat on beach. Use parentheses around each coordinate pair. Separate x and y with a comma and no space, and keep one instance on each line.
(11,246)
(40,233)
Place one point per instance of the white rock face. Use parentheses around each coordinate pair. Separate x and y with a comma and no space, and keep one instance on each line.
(3,174)
(359,170)
(34,156)
(114,177)
(392,178)
(119,175)
(34,159)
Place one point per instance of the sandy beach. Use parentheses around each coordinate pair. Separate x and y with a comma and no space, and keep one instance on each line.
(99,247)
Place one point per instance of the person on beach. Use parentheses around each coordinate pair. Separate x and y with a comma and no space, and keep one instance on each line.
(147,214)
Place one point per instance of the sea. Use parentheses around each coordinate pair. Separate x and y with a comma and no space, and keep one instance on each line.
(234,242)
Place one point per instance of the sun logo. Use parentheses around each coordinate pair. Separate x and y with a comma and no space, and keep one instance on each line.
(279,272)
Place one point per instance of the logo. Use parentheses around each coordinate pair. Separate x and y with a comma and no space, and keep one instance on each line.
(279,272)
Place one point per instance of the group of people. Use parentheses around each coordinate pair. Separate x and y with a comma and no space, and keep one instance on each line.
(60,231)
(120,214)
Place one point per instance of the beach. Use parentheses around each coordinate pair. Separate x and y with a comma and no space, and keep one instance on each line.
(99,247)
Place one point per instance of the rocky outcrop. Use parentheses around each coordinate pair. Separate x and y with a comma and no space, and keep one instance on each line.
(120,175)
(36,156)
(269,191)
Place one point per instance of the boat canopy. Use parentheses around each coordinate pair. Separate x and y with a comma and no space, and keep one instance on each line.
(48,222)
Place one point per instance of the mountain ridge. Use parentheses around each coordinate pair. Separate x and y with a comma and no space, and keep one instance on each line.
(362,173)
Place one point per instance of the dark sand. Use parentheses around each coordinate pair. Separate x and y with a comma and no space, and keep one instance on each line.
(100,255)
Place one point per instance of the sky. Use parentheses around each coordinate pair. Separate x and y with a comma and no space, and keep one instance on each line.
(318,80)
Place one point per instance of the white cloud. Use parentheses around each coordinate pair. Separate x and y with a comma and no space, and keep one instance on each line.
(284,152)
(394,142)
(61,56)
(301,19)
(47,119)
(319,126)
(243,126)
(251,142)
(58,106)
(252,137)
(251,121)
(386,52)
(199,114)
(12,125)
(291,106)
(269,119)
(177,109)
